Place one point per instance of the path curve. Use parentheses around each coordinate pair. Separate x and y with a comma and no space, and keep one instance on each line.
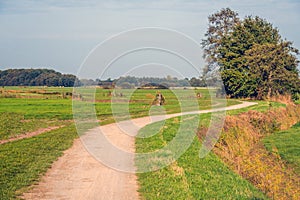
(77,175)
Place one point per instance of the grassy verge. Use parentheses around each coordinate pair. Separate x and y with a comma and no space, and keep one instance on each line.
(262,106)
(24,161)
(189,177)
(286,144)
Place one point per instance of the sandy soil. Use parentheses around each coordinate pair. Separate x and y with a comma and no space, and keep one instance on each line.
(78,175)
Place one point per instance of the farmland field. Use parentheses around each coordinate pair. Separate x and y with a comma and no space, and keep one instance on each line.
(27,109)
(54,103)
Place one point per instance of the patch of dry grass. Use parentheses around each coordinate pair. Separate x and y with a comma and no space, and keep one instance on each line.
(241,148)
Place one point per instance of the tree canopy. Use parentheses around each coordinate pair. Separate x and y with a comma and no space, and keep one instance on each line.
(251,56)
(35,77)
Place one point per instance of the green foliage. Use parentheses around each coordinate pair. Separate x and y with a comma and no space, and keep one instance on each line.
(167,81)
(35,77)
(191,177)
(286,144)
(220,24)
(252,58)
(126,85)
(273,69)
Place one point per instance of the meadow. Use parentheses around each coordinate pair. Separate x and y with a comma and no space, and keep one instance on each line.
(55,103)
(27,109)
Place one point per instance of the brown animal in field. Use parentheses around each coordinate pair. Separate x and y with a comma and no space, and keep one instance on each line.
(159,99)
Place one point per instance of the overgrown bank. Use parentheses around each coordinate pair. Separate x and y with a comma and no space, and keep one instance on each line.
(240,146)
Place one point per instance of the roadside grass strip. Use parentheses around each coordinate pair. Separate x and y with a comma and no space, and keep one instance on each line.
(23,162)
(189,177)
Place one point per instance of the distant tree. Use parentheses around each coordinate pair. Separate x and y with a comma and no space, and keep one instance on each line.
(88,82)
(35,77)
(126,85)
(197,82)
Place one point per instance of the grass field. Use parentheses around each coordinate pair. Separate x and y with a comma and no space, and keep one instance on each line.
(14,124)
(286,144)
(26,109)
(54,106)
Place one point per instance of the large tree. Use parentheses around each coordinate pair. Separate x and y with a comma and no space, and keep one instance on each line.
(273,69)
(220,24)
(253,60)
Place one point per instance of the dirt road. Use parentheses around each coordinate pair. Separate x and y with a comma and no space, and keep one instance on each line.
(78,175)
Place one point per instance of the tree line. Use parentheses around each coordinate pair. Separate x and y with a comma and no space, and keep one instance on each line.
(251,57)
(35,77)
(134,82)
(50,77)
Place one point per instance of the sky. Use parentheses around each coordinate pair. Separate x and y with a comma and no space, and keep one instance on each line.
(65,34)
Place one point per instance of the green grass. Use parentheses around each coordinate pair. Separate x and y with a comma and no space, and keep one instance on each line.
(140,103)
(38,108)
(262,106)
(287,144)
(24,161)
(14,124)
(189,177)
